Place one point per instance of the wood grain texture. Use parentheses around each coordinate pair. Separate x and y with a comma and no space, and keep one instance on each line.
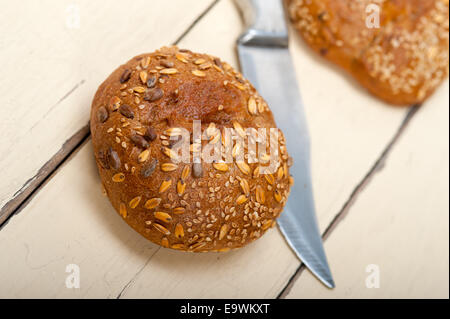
(400,221)
(69,221)
(58,53)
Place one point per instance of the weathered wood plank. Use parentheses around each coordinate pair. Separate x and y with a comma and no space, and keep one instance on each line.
(400,221)
(58,53)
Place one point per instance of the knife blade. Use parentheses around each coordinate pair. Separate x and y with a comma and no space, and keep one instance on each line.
(266,62)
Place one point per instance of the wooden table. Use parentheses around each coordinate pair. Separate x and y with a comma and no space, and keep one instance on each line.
(381,174)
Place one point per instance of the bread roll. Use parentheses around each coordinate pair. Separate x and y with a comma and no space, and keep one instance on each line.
(136,118)
(402,62)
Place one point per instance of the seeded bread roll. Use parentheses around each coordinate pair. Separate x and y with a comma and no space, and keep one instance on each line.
(193,207)
(402,62)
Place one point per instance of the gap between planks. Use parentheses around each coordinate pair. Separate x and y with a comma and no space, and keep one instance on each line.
(376,168)
(23,196)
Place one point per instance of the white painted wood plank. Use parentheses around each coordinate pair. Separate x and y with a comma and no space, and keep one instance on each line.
(52,68)
(349,131)
(400,221)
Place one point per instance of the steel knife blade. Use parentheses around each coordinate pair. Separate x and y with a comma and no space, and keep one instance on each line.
(266,62)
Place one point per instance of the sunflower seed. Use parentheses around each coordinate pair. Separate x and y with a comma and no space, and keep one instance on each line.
(114,103)
(150,134)
(126,111)
(125,76)
(134,202)
(197,170)
(163,217)
(151,82)
(102,114)
(139,141)
(217,62)
(153,94)
(148,170)
(113,158)
(161,229)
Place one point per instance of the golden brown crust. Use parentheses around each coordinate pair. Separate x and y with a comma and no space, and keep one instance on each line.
(212,207)
(402,62)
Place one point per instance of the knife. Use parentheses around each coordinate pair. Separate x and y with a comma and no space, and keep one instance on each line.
(263,51)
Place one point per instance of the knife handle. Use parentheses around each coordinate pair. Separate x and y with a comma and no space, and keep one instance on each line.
(265,21)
